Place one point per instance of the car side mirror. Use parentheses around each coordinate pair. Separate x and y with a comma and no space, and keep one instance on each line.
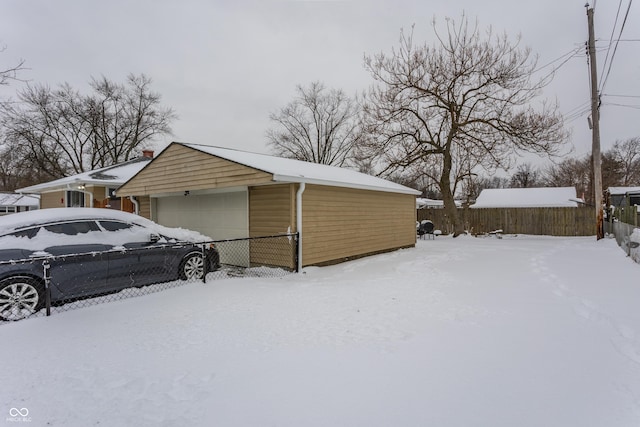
(153,238)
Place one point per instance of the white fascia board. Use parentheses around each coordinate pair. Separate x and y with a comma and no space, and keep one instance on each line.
(297,179)
(70,185)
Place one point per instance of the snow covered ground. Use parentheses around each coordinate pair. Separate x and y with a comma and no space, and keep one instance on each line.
(519,331)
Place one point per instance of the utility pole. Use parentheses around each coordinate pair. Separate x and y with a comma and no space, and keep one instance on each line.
(595,128)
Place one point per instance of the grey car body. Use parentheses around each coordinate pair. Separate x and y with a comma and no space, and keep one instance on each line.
(114,252)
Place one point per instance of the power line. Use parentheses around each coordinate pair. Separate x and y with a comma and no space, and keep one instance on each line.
(577,115)
(577,112)
(579,107)
(567,57)
(635,107)
(572,54)
(613,30)
(615,49)
(620,96)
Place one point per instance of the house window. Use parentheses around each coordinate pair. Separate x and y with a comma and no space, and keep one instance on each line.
(75,199)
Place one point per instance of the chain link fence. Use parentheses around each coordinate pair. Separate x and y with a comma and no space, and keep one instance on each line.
(627,236)
(62,279)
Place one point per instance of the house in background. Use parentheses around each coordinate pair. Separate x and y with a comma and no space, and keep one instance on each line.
(12,203)
(423,203)
(616,196)
(224,193)
(623,203)
(551,197)
(90,189)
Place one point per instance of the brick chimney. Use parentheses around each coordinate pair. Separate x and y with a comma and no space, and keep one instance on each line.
(147,153)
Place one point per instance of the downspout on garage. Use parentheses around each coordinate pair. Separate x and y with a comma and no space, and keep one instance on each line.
(136,205)
(299,223)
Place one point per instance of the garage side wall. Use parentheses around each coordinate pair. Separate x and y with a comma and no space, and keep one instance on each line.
(342,223)
(272,212)
(144,203)
(271,209)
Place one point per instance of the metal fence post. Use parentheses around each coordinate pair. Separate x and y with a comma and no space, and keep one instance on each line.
(204,264)
(47,285)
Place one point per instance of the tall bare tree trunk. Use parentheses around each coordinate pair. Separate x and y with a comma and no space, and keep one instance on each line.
(448,197)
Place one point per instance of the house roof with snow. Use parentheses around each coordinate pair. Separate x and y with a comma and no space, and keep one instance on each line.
(11,199)
(289,170)
(621,191)
(110,176)
(556,197)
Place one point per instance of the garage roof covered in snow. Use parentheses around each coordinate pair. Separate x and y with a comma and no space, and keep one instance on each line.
(110,176)
(557,197)
(289,170)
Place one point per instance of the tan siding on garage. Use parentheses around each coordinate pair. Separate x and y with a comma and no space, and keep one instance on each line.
(144,205)
(341,223)
(271,209)
(179,168)
(272,212)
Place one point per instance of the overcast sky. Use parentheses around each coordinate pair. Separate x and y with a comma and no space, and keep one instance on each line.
(224,66)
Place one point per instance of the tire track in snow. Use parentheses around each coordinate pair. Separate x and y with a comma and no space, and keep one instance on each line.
(624,338)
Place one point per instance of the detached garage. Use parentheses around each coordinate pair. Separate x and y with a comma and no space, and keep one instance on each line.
(226,194)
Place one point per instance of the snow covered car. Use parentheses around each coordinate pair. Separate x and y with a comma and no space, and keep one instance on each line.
(91,252)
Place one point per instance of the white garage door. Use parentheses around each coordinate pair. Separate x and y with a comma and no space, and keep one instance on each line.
(220,216)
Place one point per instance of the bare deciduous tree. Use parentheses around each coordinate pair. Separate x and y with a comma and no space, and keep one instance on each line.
(627,154)
(466,103)
(526,176)
(10,73)
(125,117)
(17,170)
(572,172)
(578,173)
(320,125)
(63,132)
(472,187)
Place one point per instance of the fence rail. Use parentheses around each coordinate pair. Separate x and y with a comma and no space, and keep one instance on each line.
(57,280)
(535,221)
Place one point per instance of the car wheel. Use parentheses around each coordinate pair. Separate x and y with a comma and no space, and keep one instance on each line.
(192,267)
(20,297)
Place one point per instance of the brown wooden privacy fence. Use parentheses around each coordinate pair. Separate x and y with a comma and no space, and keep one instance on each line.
(536,221)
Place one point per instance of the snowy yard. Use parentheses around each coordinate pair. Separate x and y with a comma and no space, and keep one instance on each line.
(520,331)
